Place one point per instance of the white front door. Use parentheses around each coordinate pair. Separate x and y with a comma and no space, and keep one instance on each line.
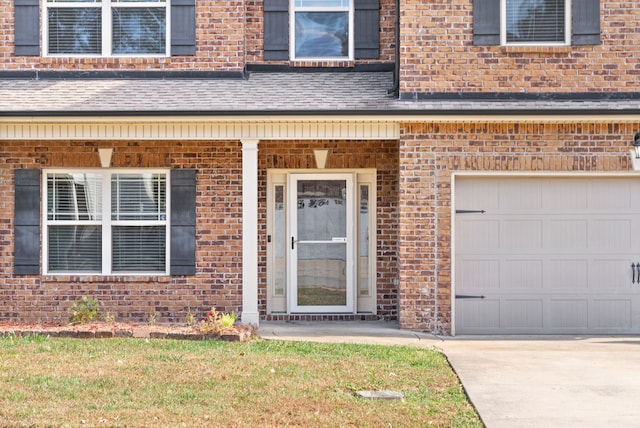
(321,243)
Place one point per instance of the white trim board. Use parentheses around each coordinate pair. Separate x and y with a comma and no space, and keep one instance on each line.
(105,128)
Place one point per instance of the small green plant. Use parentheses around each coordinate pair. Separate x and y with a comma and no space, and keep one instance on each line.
(151,319)
(83,310)
(109,317)
(190,320)
(217,322)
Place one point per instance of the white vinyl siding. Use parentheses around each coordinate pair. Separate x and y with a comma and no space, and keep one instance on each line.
(106,222)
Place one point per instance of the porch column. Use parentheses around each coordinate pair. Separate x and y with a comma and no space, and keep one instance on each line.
(250,313)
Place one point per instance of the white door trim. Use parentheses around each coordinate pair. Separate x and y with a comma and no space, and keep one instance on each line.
(350,306)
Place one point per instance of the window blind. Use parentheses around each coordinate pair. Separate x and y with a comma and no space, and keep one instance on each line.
(535,21)
(75,30)
(138,248)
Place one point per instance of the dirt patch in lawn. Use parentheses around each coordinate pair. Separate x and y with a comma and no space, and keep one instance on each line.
(96,330)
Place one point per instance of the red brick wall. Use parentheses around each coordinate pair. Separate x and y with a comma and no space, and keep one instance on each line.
(382,155)
(229,35)
(430,153)
(218,278)
(219,45)
(438,55)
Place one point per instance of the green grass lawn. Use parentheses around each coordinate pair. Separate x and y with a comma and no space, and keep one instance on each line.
(137,382)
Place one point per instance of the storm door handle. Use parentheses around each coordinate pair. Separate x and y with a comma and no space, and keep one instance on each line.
(633,273)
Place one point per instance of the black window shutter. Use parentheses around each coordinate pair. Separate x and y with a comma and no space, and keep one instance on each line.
(276,29)
(367,28)
(486,22)
(183,27)
(586,22)
(27,222)
(183,222)
(27,27)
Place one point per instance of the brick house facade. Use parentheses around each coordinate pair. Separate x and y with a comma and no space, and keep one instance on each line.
(454,106)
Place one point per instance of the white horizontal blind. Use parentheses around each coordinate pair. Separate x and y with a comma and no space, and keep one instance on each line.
(106,27)
(322,3)
(138,249)
(138,213)
(75,30)
(89,230)
(535,21)
(74,214)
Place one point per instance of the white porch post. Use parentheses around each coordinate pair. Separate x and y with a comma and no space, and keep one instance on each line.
(250,313)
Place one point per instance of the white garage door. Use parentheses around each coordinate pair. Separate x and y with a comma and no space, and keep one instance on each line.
(548,255)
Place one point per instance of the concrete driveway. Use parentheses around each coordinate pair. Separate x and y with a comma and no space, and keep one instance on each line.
(550,382)
(516,382)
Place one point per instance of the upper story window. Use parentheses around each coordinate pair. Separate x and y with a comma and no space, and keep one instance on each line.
(539,22)
(106,222)
(536,22)
(322,29)
(106,27)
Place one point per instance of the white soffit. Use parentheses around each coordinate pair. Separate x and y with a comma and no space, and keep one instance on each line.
(194,128)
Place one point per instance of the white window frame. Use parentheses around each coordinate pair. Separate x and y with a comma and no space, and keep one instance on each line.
(105,6)
(292,29)
(567,28)
(106,223)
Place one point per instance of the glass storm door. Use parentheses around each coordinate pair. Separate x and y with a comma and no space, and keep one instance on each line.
(321,243)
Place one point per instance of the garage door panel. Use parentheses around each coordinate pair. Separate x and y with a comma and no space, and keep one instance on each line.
(610,234)
(562,234)
(478,192)
(523,313)
(564,274)
(478,274)
(522,274)
(568,314)
(479,234)
(569,195)
(522,234)
(479,315)
(554,256)
(607,314)
(610,275)
(609,194)
(520,196)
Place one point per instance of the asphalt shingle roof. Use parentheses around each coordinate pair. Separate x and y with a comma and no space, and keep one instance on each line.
(264,93)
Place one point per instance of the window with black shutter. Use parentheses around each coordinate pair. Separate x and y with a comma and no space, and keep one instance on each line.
(105,28)
(321,29)
(536,22)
